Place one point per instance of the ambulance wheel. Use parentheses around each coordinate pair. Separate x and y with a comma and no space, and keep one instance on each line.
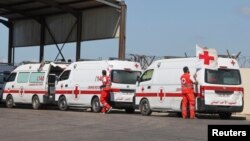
(145,108)
(9,101)
(95,105)
(36,103)
(62,104)
(130,110)
(225,115)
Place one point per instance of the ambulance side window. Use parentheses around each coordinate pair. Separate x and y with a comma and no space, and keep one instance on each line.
(65,75)
(12,77)
(23,77)
(37,77)
(147,75)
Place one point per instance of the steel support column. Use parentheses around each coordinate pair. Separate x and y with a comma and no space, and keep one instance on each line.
(10,53)
(79,37)
(13,55)
(122,37)
(42,40)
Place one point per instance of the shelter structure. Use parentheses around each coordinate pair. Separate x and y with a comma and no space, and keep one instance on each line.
(46,22)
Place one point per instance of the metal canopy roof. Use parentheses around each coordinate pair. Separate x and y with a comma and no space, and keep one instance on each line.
(20,9)
(45,22)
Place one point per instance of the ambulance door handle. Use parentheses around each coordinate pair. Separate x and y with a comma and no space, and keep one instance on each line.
(149,87)
(12,86)
(66,85)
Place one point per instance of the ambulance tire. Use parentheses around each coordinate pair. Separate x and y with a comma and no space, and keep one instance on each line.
(145,108)
(9,101)
(130,110)
(95,105)
(225,115)
(62,104)
(36,102)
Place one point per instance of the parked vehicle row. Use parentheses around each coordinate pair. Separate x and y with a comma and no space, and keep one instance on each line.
(157,89)
(78,84)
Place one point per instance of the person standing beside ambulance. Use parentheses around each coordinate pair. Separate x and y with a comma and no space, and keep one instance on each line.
(106,85)
(188,93)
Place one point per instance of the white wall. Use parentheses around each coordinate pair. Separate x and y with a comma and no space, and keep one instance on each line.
(245,76)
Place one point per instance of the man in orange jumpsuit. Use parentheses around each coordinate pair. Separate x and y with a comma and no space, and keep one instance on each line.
(106,84)
(188,94)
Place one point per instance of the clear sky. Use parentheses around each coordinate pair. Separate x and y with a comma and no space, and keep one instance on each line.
(164,28)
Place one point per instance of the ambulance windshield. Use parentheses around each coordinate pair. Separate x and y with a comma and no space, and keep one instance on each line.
(124,76)
(223,77)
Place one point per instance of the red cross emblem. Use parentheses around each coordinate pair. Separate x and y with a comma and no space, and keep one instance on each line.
(206,57)
(232,62)
(183,81)
(21,91)
(136,65)
(142,89)
(161,94)
(76,92)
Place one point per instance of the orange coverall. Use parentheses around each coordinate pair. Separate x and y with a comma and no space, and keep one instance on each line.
(188,96)
(105,93)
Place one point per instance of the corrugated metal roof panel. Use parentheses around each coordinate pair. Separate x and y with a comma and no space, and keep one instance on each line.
(99,20)
(27,7)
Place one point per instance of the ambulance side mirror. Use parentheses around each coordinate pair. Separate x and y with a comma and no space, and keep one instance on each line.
(138,80)
(56,80)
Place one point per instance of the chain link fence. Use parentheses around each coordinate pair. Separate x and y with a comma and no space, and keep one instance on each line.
(244,61)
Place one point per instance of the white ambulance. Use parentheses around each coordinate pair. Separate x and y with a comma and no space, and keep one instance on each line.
(218,91)
(79,85)
(5,70)
(32,83)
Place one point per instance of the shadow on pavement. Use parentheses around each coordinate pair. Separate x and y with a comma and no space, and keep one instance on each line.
(202,116)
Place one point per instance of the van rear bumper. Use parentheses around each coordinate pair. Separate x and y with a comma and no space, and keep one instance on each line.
(202,107)
(122,105)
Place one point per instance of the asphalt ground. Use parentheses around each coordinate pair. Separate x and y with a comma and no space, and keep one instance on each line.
(50,124)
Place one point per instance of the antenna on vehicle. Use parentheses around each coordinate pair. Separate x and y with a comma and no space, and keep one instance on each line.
(186,55)
(228,54)
(237,56)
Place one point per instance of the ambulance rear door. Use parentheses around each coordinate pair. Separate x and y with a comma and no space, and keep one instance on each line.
(124,81)
(223,87)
